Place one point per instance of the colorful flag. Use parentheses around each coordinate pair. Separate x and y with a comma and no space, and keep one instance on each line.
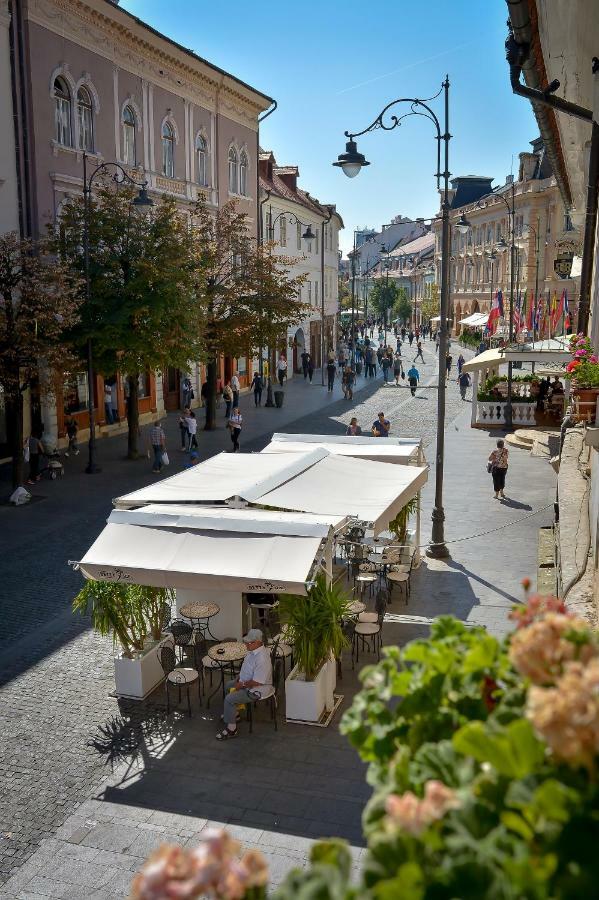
(530,313)
(567,320)
(554,313)
(518,314)
(496,312)
(559,312)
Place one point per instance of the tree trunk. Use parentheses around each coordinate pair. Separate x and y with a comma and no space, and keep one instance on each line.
(211,395)
(14,409)
(133,417)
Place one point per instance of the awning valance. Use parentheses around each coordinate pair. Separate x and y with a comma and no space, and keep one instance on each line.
(200,560)
(402,451)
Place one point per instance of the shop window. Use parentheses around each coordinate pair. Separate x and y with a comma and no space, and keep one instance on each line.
(242,365)
(75,394)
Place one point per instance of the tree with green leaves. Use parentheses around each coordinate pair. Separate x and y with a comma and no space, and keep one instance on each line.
(431,305)
(403,306)
(383,297)
(142,314)
(245,293)
(39,303)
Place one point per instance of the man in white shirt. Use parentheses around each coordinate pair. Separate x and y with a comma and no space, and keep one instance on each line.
(254,681)
(235,389)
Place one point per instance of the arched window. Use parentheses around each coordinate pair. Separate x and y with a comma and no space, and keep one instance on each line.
(62,113)
(243,174)
(168,150)
(283,231)
(85,120)
(129,155)
(202,152)
(233,171)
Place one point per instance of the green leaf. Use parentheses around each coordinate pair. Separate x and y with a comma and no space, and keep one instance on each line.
(514,751)
(334,853)
(515,822)
(408,884)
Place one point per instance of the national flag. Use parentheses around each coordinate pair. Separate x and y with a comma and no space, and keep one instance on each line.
(530,313)
(518,314)
(559,312)
(554,316)
(496,312)
(567,320)
(545,304)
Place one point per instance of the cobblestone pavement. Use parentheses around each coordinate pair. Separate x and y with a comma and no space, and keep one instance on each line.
(66,739)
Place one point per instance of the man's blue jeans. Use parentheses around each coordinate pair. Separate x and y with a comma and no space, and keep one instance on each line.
(158,451)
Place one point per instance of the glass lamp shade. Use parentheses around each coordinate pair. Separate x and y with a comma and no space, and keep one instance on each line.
(142,199)
(351,161)
(462,225)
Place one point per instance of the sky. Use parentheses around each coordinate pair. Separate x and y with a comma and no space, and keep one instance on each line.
(333,66)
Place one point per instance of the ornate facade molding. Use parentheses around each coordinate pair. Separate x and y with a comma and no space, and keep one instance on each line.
(79,22)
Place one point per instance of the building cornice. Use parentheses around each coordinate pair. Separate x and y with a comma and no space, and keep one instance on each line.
(116,35)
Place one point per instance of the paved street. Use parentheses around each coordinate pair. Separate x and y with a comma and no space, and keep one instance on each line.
(143,778)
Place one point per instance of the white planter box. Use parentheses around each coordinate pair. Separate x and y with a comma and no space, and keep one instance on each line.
(305,700)
(137,677)
(331,683)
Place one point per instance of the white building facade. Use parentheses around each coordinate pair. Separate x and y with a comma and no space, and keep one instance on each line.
(307,231)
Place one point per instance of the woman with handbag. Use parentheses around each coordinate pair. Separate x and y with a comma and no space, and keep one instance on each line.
(497,466)
(235,423)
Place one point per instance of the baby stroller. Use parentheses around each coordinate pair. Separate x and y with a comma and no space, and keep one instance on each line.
(53,468)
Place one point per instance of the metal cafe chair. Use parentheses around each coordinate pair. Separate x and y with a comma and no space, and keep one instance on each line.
(272,700)
(367,632)
(179,677)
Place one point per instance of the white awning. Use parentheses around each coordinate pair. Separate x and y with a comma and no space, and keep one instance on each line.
(200,560)
(218,518)
(222,477)
(371,491)
(548,351)
(476,320)
(393,450)
(436,319)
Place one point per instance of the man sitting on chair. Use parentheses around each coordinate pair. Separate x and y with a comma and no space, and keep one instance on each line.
(254,682)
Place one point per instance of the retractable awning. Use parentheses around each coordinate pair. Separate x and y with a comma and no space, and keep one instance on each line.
(548,351)
(202,560)
(476,320)
(402,451)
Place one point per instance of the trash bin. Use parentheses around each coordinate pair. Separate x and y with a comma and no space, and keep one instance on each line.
(279,395)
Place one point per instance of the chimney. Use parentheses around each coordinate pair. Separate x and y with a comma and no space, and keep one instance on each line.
(509,179)
(528,164)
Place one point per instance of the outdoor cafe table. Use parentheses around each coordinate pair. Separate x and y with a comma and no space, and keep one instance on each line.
(225,654)
(199,613)
(356,607)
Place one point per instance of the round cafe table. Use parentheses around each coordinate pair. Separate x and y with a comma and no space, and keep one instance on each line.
(225,654)
(199,614)
(365,580)
(356,607)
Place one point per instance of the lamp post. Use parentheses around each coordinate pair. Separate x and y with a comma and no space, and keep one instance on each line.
(535,231)
(323,226)
(386,252)
(142,201)
(483,203)
(353,305)
(351,162)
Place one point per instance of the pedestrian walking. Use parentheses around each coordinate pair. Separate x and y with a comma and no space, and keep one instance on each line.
(398,345)
(498,466)
(397,368)
(381,426)
(72,428)
(257,387)
(461,362)
(188,394)
(235,425)
(34,450)
(386,363)
(403,332)
(347,383)
(411,337)
(305,356)
(192,426)
(108,404)
(158,442)
(448,363)
(228,398)
(235,388)
(379,355)
(310,369)
(282,369)
(183,432)
(353,428)
(419,354)
(464,382)
(413,379)
(331,370)
(114,401)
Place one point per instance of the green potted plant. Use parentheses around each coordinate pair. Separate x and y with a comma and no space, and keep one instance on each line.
(133,614)
(399,525)
(314,625)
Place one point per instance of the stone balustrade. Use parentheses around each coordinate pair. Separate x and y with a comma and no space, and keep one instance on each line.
(492,412)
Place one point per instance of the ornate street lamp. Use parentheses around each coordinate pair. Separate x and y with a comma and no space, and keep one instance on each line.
(351,162)
(142,202)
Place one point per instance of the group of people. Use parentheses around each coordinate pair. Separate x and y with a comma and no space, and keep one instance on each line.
(380,427)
